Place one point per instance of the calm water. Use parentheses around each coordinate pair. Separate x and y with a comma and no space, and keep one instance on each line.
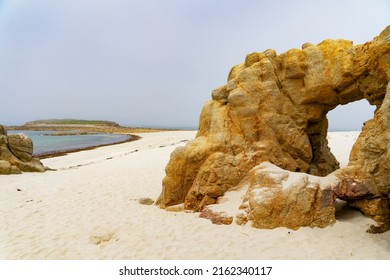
(46,144)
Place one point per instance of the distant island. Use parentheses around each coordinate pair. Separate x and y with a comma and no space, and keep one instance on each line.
(81,126)
(72,122)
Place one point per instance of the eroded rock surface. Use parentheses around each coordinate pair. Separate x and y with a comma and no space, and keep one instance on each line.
(16,154)
(368,171)
(273,108)
(272,197)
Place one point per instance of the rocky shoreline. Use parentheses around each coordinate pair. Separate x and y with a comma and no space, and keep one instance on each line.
(65,133)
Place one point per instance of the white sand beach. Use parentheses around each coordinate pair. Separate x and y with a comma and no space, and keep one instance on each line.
(89,209)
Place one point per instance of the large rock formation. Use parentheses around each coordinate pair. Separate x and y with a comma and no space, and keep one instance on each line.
(273,108)
(16,154)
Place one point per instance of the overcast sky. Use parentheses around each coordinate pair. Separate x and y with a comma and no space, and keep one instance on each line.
(155,62)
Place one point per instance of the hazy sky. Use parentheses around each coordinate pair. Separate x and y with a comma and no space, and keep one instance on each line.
(155,62)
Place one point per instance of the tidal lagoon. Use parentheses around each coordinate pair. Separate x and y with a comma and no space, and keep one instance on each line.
(52,142)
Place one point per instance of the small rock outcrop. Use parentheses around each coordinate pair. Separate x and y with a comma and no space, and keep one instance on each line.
(16,154)
(273,108)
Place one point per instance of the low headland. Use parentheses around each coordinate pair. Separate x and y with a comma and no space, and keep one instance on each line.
(82,126)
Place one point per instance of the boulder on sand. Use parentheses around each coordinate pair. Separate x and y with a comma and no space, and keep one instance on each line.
(16,154)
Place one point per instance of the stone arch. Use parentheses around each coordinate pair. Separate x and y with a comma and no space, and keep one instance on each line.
(273,108)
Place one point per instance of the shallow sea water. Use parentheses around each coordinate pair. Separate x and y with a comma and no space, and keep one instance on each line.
(44,143)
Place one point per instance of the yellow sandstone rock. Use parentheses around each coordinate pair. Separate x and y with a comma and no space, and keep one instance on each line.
(16,154)
(273,108)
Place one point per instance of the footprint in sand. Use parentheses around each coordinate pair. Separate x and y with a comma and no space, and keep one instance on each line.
(99,239)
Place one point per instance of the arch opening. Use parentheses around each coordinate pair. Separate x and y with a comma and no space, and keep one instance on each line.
(345,123)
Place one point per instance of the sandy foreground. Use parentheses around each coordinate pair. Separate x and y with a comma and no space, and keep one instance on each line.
(89,209)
